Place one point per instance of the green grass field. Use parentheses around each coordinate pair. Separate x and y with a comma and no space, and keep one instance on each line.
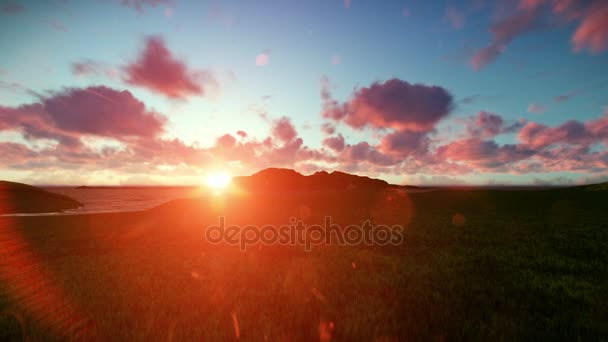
(516,265)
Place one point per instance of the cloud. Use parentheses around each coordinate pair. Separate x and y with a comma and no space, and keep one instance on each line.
(405,143)
(216,14)
(566,96)
(536,108)
(10,7)
(72,129)
(15,154)
(139,5)
(455,17)
(157,70)
(581,90)
(93,68)
(103,111)
(94,128)
(571,132)
(488,125)
(503,32)
(335,143)
(99,128)
(331,109)
(284,130)
(336,59)
(262,59)
(328,128)
(226,140)
(364,152)
(69,114)
(58,26)
(592,33)
(394,104)
(483,154)
(539,148)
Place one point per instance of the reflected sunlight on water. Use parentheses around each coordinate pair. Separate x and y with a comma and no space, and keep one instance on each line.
(117,199)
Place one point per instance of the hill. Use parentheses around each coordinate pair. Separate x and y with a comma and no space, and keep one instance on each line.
(596,187)
(276,179)
(23,198)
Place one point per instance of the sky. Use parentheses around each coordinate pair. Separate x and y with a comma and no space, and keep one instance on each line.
(413,92)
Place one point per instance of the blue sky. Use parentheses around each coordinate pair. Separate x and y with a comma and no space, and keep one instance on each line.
(352,44)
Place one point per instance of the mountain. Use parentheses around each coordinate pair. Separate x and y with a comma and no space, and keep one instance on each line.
(277,179)
(23,198)
(274,196)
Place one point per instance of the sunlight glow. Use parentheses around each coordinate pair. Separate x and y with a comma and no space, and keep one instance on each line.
(218,180)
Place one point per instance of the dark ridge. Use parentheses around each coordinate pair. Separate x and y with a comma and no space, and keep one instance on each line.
(596,187)
(16,198)
(277,179)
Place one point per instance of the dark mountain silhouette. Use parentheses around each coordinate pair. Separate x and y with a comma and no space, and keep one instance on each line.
(276,179)
(23,198)
(275,195)
(596,187)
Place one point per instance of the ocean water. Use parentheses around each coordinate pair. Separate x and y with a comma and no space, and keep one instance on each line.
(121,199)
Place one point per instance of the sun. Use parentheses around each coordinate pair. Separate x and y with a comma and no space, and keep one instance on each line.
(218,180)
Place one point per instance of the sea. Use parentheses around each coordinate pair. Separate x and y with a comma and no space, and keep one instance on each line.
(120,199)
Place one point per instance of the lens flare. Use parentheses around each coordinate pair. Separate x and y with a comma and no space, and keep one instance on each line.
(218,181)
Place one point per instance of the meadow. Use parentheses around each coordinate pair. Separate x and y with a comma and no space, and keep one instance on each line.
(475,264)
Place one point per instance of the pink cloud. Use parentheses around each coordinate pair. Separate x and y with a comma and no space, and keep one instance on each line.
(331,108)
(58,26)
(336,59)
(570,132)
(262,59)
(98,111)
(487,125)
(599,127)
(536,108)
(455,17)
(102,111)
(483,154)
(10,7)
(139,5)
(592,33)
(226,140)
(15,154)
(156,69)
(393,104)
(328,128)
(284,130)
(364,152)
(73,117)
(216,14)
(93,68)
(566,96)
(335,143)
(503,33)
(405,143)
